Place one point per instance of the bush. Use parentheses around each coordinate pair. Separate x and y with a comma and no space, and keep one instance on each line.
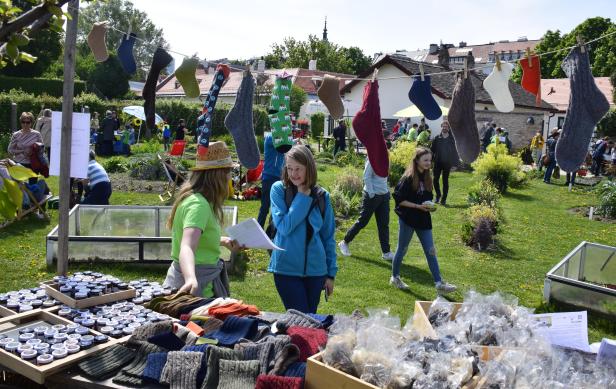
(526,155)
(399,158)
(497,166)
(5,139)
(146,147)
(350,184)
(480,226)
(115,165)
(146,167)
(607,199)
(484,193)
(38,86)
(340,202)
(317,124)
(349,158)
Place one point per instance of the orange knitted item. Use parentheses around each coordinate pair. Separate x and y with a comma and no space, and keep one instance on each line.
(531,77)
(195,328)
(236,309)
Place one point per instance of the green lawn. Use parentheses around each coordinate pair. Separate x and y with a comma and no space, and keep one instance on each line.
(537,233)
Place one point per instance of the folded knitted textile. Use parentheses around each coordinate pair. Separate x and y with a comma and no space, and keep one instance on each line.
(189,307)
(167,340)
(181,369)
(154,367)
(107,362)
(237,374)
(203,369)
(263,352)
(235,309)
(131,374)
(279,341)
(233,329)
(214,303)
(175,308)
(154,304)
(277,382)
(288,355)
(186,335)
(213,355)
(296,369)
(308,340)
(145,331)
(294,318)
(202,348)
(326,320)
(211,324)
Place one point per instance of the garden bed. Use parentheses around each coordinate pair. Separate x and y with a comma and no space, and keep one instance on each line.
(123,182)
(585,211)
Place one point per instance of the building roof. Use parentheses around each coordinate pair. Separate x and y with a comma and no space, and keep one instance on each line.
(443,84)
(556,91)
(482,52)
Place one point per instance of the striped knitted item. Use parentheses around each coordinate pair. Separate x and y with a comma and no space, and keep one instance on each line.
(462,120)
(263,352)
(151,329)
(154,367)
(131,374)
(181,369)
(214,354)
(294,318)
(107,362)
(277,382)
(238,374)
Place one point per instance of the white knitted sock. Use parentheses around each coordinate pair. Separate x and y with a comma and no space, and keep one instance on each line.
(497,85)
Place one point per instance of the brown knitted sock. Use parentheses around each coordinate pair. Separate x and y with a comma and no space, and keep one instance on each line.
(96,41)
(329,93)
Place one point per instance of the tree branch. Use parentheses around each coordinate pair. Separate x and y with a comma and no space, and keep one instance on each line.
(26,20)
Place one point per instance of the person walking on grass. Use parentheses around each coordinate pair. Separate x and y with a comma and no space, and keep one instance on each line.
(340,137)
(536,147)
(375,200)
(413,195)
(445,157)
(550,150)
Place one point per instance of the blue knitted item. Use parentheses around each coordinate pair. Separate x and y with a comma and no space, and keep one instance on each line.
(125,54)
(421,95)
(233,329)
(198,348)
(168,340)
(296,369)
(326,320)
(154,367)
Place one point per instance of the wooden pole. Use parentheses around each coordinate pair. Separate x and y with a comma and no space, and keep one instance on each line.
(67,135)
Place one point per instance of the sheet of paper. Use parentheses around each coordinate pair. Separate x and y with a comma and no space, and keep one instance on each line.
(80,144)
(565,329)
(250,234)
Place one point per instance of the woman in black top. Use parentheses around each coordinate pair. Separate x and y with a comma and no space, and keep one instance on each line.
(413,196)
(445,157)
(180,131)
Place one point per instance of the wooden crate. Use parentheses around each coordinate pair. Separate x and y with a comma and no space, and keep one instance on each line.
(5,312)
(30,370)
(52,290)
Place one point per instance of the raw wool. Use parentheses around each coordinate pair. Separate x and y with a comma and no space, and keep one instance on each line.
(161,60)
(186,76)
(240,125)
(420,94)
(367,127)
(96,41)
(125,53)
(204,122)
(462,120)
(531,77)
(497,86)
(587,105)
(329,93)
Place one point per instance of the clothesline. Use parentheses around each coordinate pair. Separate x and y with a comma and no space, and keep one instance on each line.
(381,78)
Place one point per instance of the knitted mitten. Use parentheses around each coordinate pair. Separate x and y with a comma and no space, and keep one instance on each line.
(420,94)
(289,354)
(154,367)
(308,340)
(186,76)
(237,374)
(239,123)
(125,53)
(497,86)
(531,76)
(181,369)
(587,105)
(204,122)
(263,352)
(329,93)
(214,354)
(131,374)
(96,41)
(145,331)
(276,382)
(296,318)
(367,127)
(160,61)
(107,362)
(462,120)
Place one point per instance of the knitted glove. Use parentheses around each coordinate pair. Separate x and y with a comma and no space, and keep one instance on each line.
(237,374)
(276,382)
(145,331)
(154,367)
(131,374)
(181,369)
(294,318)
(107,362)
(263,352)
(214,354)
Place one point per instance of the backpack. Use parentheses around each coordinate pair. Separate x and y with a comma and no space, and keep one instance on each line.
(317,194)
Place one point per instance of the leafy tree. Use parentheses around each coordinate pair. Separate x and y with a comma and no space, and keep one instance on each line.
(108,79)
(359,61)
(298,97)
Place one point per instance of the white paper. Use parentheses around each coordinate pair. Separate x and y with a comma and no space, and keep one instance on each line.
(250,234)
(80,144)
(565,329)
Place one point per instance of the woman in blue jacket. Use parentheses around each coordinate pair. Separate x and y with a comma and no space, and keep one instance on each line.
(305,230)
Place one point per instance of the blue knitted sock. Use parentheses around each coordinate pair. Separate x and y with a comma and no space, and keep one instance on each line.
(154,367)
(421,95)
(204,122)
(125,54)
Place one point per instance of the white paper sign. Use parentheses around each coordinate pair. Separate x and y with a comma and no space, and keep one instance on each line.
(566,329)
(80,148)
(250,234)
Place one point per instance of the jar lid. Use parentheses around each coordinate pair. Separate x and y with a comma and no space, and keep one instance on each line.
(28,354)
(87,338)
(72,348)
(58,346)
(34,342)
(58,354)
(26,337)
(44,359)
(101,338)
(11,347)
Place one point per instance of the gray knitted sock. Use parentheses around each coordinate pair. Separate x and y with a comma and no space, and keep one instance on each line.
(263,352)
(214,354)
(238,374)
(587,105)
(151,329)
(131,374)
(181,369)
(108,361)
(461,117)
(239,123)
(286,356)
(294,318)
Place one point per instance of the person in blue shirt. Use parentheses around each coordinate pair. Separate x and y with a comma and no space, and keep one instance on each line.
(99,185)
(272,169)
(305,231)
(166,136)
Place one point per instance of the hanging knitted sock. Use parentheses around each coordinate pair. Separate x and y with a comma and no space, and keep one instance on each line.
(587,105)
(239,124)
(281,94)
(186,76)
(96,41)
(125,53)
(421,95)
(282,134)
(329,93)
(462,119)
(367,127)
(497,86)
(531,76)
(204,122)
(160,61)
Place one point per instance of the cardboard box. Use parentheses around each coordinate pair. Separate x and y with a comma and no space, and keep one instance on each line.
(31,370)
(52,290)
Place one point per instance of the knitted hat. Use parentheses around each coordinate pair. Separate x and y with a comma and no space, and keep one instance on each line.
(329,93)
(263,352)
(308,340)
(298,319)
(107,362)
(168,340)
(296,369)
(233,329)
(131,374)
(181,369)
(142,333)
(277,382)
(286,356)
(214,354)
(217,157)
(154,367)
(237,374)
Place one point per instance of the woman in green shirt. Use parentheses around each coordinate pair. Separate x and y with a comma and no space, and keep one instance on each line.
(195,223)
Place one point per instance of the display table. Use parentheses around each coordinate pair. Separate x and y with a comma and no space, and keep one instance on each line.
(72,378)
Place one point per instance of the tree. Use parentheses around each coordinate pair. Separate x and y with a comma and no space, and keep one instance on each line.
(359,61)
(298,97)
(121,14)
(109,80)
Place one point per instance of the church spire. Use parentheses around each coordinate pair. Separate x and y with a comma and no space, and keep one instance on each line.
(325,30)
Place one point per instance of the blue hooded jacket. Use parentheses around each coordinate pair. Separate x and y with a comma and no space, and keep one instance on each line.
(291,236)
(274,161)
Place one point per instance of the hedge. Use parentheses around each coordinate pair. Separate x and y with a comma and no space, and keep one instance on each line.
(38,86)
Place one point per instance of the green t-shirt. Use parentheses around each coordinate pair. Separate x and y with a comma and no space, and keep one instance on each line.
(196,212)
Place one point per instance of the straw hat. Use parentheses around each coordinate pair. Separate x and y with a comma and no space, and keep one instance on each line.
(217,157)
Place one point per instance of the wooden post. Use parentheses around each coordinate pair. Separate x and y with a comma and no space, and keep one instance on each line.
(67,134)
(14,117)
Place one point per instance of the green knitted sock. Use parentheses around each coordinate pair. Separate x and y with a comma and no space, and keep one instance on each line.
(107,362)
(186,76)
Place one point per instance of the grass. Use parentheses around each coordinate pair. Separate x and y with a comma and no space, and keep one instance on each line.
(538,232)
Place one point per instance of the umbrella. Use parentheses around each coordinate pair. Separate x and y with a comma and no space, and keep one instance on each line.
(413,112)
(137,111)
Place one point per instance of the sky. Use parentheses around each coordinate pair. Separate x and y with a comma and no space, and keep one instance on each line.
(244,29)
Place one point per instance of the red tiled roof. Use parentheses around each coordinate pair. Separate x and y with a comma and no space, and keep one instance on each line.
(482,52)
(556,91)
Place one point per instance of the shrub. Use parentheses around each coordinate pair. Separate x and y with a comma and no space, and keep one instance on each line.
(340,202)
(325,154)
(115,165)
(484,193)
(399,157)
(497,166)
(317,124)
(146,147)
(349,158)
(5,139)
(607,199)
(480,226)
(520,179)
(38,86)
(350,184)
(146,167)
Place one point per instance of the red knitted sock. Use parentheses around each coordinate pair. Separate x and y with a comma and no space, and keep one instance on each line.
(367,127)
(531,76)
(308,340)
